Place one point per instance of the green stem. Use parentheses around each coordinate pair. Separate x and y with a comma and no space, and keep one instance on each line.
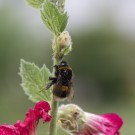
(54,112)
(54,104)
(56,61)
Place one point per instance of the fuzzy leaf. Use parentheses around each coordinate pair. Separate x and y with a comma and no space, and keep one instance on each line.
(35,3)
(65,51)
(53,19)
(34,81)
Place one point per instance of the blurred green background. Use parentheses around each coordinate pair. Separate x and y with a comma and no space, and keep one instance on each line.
(103,56)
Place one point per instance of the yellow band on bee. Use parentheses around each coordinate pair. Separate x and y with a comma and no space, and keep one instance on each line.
(65,88)
(65,68)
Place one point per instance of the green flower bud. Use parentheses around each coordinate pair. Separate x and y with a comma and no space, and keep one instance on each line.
(62,45)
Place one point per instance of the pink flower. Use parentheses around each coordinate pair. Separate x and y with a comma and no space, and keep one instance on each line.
(107,124)
(29,125)
(77,122)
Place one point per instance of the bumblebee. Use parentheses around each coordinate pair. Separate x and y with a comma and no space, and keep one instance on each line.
(62,82)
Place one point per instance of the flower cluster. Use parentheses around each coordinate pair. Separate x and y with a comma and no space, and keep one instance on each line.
(29,125)
(77,122)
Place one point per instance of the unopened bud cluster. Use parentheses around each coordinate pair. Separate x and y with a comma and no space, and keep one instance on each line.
(64,45)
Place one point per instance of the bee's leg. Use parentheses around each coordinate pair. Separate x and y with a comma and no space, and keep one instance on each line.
(53,81)
(56,70)
(52,78)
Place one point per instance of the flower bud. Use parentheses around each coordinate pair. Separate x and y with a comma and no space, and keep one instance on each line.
(64,40)
(62,45)
(75,121)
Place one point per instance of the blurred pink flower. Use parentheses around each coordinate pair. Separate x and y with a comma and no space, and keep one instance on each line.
(29,125)
(78,122)
(107,124)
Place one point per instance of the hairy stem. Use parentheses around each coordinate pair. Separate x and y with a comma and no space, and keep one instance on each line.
(56,61)
(53,124)
(54,104)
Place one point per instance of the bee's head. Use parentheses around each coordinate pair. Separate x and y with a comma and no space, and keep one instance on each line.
(63,63)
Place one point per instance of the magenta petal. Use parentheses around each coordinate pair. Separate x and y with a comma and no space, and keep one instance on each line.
(8,130)
(30,117)
(41,108)
(29,125)
(115,121)
(107,124)
(42,105)
(46,117)
(114,118)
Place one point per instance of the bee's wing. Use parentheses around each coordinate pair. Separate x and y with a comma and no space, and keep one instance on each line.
(71,95)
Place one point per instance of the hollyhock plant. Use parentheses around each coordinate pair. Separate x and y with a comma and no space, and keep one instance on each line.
(29,125)
(77,122)
(35,80)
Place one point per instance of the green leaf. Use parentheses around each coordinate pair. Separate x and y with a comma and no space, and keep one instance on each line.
(35,3)
(65,51)
(34,81)
(53,19)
